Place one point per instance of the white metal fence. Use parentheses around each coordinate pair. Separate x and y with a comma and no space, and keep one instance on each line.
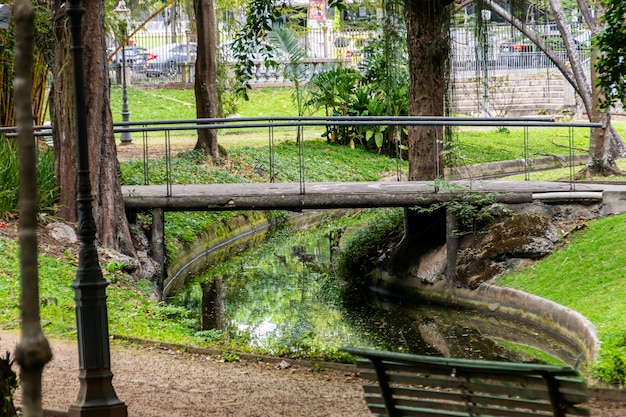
(155,59)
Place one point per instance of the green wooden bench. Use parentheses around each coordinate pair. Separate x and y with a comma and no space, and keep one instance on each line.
(397,384)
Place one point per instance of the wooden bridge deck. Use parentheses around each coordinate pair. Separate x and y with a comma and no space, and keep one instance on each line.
(288,196)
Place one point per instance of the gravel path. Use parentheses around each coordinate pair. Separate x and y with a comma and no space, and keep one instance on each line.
(161,382)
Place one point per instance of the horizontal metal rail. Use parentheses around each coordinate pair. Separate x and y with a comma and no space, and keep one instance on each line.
(169,126)
(286,121)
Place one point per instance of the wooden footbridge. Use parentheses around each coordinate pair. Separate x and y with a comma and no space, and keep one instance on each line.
(332,195)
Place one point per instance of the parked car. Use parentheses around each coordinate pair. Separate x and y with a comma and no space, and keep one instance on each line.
(526,53)
(349,47)
(516,53)
(135,57)
(165,60)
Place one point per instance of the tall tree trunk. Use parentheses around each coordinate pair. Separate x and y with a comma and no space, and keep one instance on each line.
(206,75)
(428,45)
(33,352)
(605,145)
(111,221)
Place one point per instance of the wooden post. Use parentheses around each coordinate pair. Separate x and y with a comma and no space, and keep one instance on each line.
(452,245)
(158,245)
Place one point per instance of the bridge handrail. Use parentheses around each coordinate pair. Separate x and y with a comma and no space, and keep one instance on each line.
(287,121)
(294,121)
(168,126)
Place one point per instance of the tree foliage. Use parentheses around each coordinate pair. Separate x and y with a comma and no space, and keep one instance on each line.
(611,64)
(250,44)
(284,41)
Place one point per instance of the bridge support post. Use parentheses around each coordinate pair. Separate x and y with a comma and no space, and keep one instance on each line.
(158,245)
(452,244)
(422,231)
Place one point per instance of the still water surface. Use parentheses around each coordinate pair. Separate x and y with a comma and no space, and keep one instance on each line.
(282,297)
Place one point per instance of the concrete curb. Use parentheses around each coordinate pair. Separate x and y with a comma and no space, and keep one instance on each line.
(515,166)
(510,302)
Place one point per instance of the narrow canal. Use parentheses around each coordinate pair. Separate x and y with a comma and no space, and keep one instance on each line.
(283,297)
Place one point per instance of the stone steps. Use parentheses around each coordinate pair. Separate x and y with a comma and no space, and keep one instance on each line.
(513,95)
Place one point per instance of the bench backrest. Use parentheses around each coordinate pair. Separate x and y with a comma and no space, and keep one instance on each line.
(397,384)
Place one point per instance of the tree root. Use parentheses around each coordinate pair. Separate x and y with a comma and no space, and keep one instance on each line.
(605,171)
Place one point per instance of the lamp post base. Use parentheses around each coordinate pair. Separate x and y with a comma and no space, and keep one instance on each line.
(116,410)
(96,396)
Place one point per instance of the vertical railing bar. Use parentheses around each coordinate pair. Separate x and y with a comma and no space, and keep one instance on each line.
(168,164)
(398,140)
(438,174)
(435,153)
(146,157)
(572,184)
(271,151)
(301,151)
(526,155)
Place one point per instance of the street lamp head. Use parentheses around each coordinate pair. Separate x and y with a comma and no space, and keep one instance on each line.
(121,10)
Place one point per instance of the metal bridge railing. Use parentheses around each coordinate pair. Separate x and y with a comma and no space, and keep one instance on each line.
(167,127)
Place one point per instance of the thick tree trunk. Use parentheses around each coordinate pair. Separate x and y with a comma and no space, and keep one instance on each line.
(429,47)
(206,75)
(112,225)
(61,114)
(605,144)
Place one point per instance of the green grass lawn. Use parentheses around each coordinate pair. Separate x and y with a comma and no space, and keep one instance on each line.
(470,145)
(179,104)
(588,275)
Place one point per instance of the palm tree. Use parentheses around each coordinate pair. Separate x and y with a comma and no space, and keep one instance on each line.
(294,69)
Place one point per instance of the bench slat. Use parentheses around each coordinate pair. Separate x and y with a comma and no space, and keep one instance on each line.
(448,396)
(531,389)
(442,399)
(428,411)
(415,385)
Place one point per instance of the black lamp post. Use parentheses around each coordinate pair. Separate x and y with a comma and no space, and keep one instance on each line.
(96,396)
(123,14)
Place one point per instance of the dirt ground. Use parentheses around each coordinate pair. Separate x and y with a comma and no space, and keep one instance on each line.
(160,382)
(135,150)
